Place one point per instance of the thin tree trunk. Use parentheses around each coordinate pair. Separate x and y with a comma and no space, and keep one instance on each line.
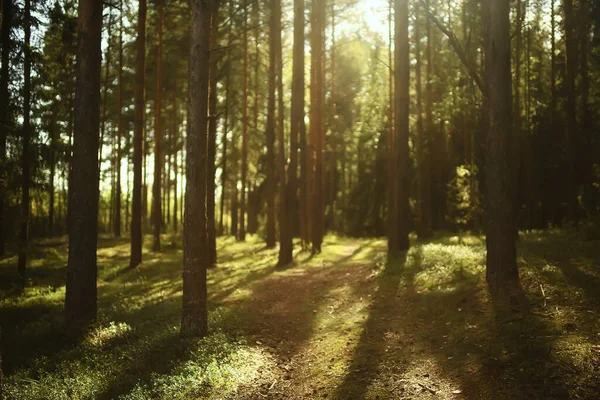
(570,108)
(521,186)
(423,172)
(117,223)
(51,189)
(81,295)
(196,257)
(158,158)
(7,19)
(331,192)
(284,226)
(391,178)
(286,245)
(551,197)
(212,139)
(138,138)
(398,240)
(242,220)
(587,119)
(25,158)
(225,154)
(107,63)
(271,122)
(175,149)
(317,123)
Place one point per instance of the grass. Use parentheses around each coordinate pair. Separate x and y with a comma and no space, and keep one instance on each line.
(343,324)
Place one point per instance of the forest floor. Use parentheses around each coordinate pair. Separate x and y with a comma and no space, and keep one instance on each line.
(344,324)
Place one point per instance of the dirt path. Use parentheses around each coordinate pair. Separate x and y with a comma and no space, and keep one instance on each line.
(331,331)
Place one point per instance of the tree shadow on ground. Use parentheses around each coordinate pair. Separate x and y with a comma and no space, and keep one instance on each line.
(420,342)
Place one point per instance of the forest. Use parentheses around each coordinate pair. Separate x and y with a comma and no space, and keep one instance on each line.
(299,199)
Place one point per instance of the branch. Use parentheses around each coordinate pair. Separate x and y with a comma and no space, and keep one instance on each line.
(457,48)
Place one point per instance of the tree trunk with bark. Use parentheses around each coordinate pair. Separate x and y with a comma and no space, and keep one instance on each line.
(317,126)
(423,157)
(571,108)
(120,127)
(286,245)
(81,295)
(7,19)
(271,122)
(399,215)
(158,158)
(26,156)
(196,257)
(138,138)
(500,213)
(212,139)
(243,198)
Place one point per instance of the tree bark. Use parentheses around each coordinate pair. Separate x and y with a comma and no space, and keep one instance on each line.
(212,139)
(107,62)
(317,126)
(225,154)
(138,138)
(196,257)
(391,164)
(120,127)
(286,245)
(571,109)
(500,216)
(81,296)
(242,220)
(399,218)
(52,160)
(25,157)
(271,122)
(158,158)
(7,19)
(284,227)
(423,172)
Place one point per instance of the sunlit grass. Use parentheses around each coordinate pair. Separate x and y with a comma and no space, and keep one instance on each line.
(354,322)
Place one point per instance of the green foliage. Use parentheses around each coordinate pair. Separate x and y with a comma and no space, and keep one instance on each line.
(463,204)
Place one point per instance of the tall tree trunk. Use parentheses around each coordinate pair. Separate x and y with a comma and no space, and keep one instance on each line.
(391,153)
(138,138)
(167,181)
(285,229)
(500,216)
(330,182)
(212,139)
(398,240)
(120,127)
(317,124)
(107,62)
(242,221)
(587,118)
(423,172)
(518,139)
(196,257)
(234,194)
(52,160)
(175,150)
(81,295)
(25,158)
(6,125)
(158,158)
(271,122)
(286,245)
(253,209)
(224,154)
(571,108)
